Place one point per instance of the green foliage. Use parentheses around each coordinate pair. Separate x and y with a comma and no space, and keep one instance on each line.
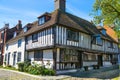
(35,69)
(48,72)
(107,12)
(10,67)
(1,66)
(40,70)
(26,65)
(21,66)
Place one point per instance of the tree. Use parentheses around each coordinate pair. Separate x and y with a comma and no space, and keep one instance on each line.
(107,12)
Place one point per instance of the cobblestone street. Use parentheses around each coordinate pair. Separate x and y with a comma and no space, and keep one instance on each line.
(103,73)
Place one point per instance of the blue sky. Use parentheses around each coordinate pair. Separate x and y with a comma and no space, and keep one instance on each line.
(28,10)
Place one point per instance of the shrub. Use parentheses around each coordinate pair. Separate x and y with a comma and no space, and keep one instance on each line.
(21,66)
(34,69)
(48,72)
(26,65)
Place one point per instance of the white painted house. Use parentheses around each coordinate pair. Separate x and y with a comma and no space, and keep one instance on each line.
(15,52)
(15,48)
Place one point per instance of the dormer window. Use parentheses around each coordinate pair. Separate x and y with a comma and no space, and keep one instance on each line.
(103,32)
(44,18)
(41,20)
(25,29)
(15,34)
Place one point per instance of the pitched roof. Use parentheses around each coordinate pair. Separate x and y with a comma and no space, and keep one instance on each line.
(65,19)
(21,34)
(111,33)
(108,35)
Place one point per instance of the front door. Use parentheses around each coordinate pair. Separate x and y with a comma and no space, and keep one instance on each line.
(80,59)
(100,60)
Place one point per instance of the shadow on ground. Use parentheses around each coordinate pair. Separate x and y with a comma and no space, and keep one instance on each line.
(102,73)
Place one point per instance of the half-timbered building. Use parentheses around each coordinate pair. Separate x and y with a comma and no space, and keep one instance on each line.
(63,41)
(67,42)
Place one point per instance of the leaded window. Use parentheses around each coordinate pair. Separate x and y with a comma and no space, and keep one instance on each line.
(68,55)
(41,20)
(19,57)
(35,37)
(19,42)
(38,55)
(72,35)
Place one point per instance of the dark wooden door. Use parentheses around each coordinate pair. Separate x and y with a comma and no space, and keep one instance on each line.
(100,60)
(80,59)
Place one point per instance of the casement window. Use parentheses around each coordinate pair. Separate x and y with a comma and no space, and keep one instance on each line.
(25,29)
(89,57)
(2,35)
(68,55)
(5,59)
(99,41)
(85,57)
(41,20)
(110,44)
(106,57)
(19,57)
(15,34)
(72,35)
(103,32)
(38,55)
(34,37)
(26,40)
(19,42)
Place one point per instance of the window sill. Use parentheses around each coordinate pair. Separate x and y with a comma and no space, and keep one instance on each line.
(73,40)
(99,44)
(110,47)
(34,41)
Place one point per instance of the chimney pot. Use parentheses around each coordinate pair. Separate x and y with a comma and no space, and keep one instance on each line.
(60,4)
(7,25)
(19,21)
(19,25)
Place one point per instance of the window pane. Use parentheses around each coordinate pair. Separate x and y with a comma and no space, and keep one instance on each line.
(34,37)
(19,42)
(72,35)
(38,55)
(19,57)
(42,20)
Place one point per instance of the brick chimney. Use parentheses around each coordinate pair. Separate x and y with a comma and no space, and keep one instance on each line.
(19,25)
(7,25)
(60,4)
